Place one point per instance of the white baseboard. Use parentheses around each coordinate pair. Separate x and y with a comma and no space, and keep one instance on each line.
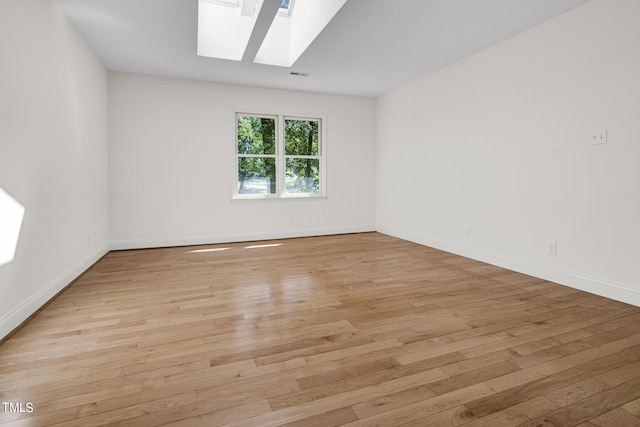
(230,238)
(15,317)
(592,285)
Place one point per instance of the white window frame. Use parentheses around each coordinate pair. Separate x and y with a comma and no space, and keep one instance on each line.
(281,192)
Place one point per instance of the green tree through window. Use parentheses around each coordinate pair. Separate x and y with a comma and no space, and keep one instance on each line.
(256,155)
(302,156)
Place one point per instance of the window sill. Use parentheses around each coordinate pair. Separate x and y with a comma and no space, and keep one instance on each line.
(276,197)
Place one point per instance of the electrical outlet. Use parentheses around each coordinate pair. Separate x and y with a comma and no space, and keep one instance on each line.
(552,247)
(468,231)
(599,137)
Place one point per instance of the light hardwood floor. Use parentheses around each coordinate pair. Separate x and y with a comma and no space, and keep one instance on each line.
(355,330)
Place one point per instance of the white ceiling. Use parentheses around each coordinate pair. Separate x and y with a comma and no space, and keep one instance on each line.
(369,48)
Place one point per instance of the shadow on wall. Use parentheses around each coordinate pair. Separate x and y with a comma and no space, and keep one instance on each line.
(11,216)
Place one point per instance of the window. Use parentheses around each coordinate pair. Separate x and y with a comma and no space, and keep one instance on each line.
(256,155)
(302,159)
(278,156)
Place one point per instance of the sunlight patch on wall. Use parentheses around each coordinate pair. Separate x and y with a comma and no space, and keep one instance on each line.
(11,215)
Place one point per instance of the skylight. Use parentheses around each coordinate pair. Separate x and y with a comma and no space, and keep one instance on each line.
(225,28)
(291,34)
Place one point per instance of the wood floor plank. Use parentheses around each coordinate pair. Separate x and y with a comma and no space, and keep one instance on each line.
(567,365)
(451,417)
(514,415)
(361,329)
(616,417)
(339,400)
(357,382)
(389,412)
(591,408)
(633,407)
(217,418)
(514,395)
(336,417)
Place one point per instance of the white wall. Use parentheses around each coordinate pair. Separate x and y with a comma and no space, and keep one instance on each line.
(171,163)
(53,154)
(500,143)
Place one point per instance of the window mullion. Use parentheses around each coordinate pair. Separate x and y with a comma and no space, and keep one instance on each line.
(281,163)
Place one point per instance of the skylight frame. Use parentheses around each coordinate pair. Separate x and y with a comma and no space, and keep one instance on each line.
(286,11)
